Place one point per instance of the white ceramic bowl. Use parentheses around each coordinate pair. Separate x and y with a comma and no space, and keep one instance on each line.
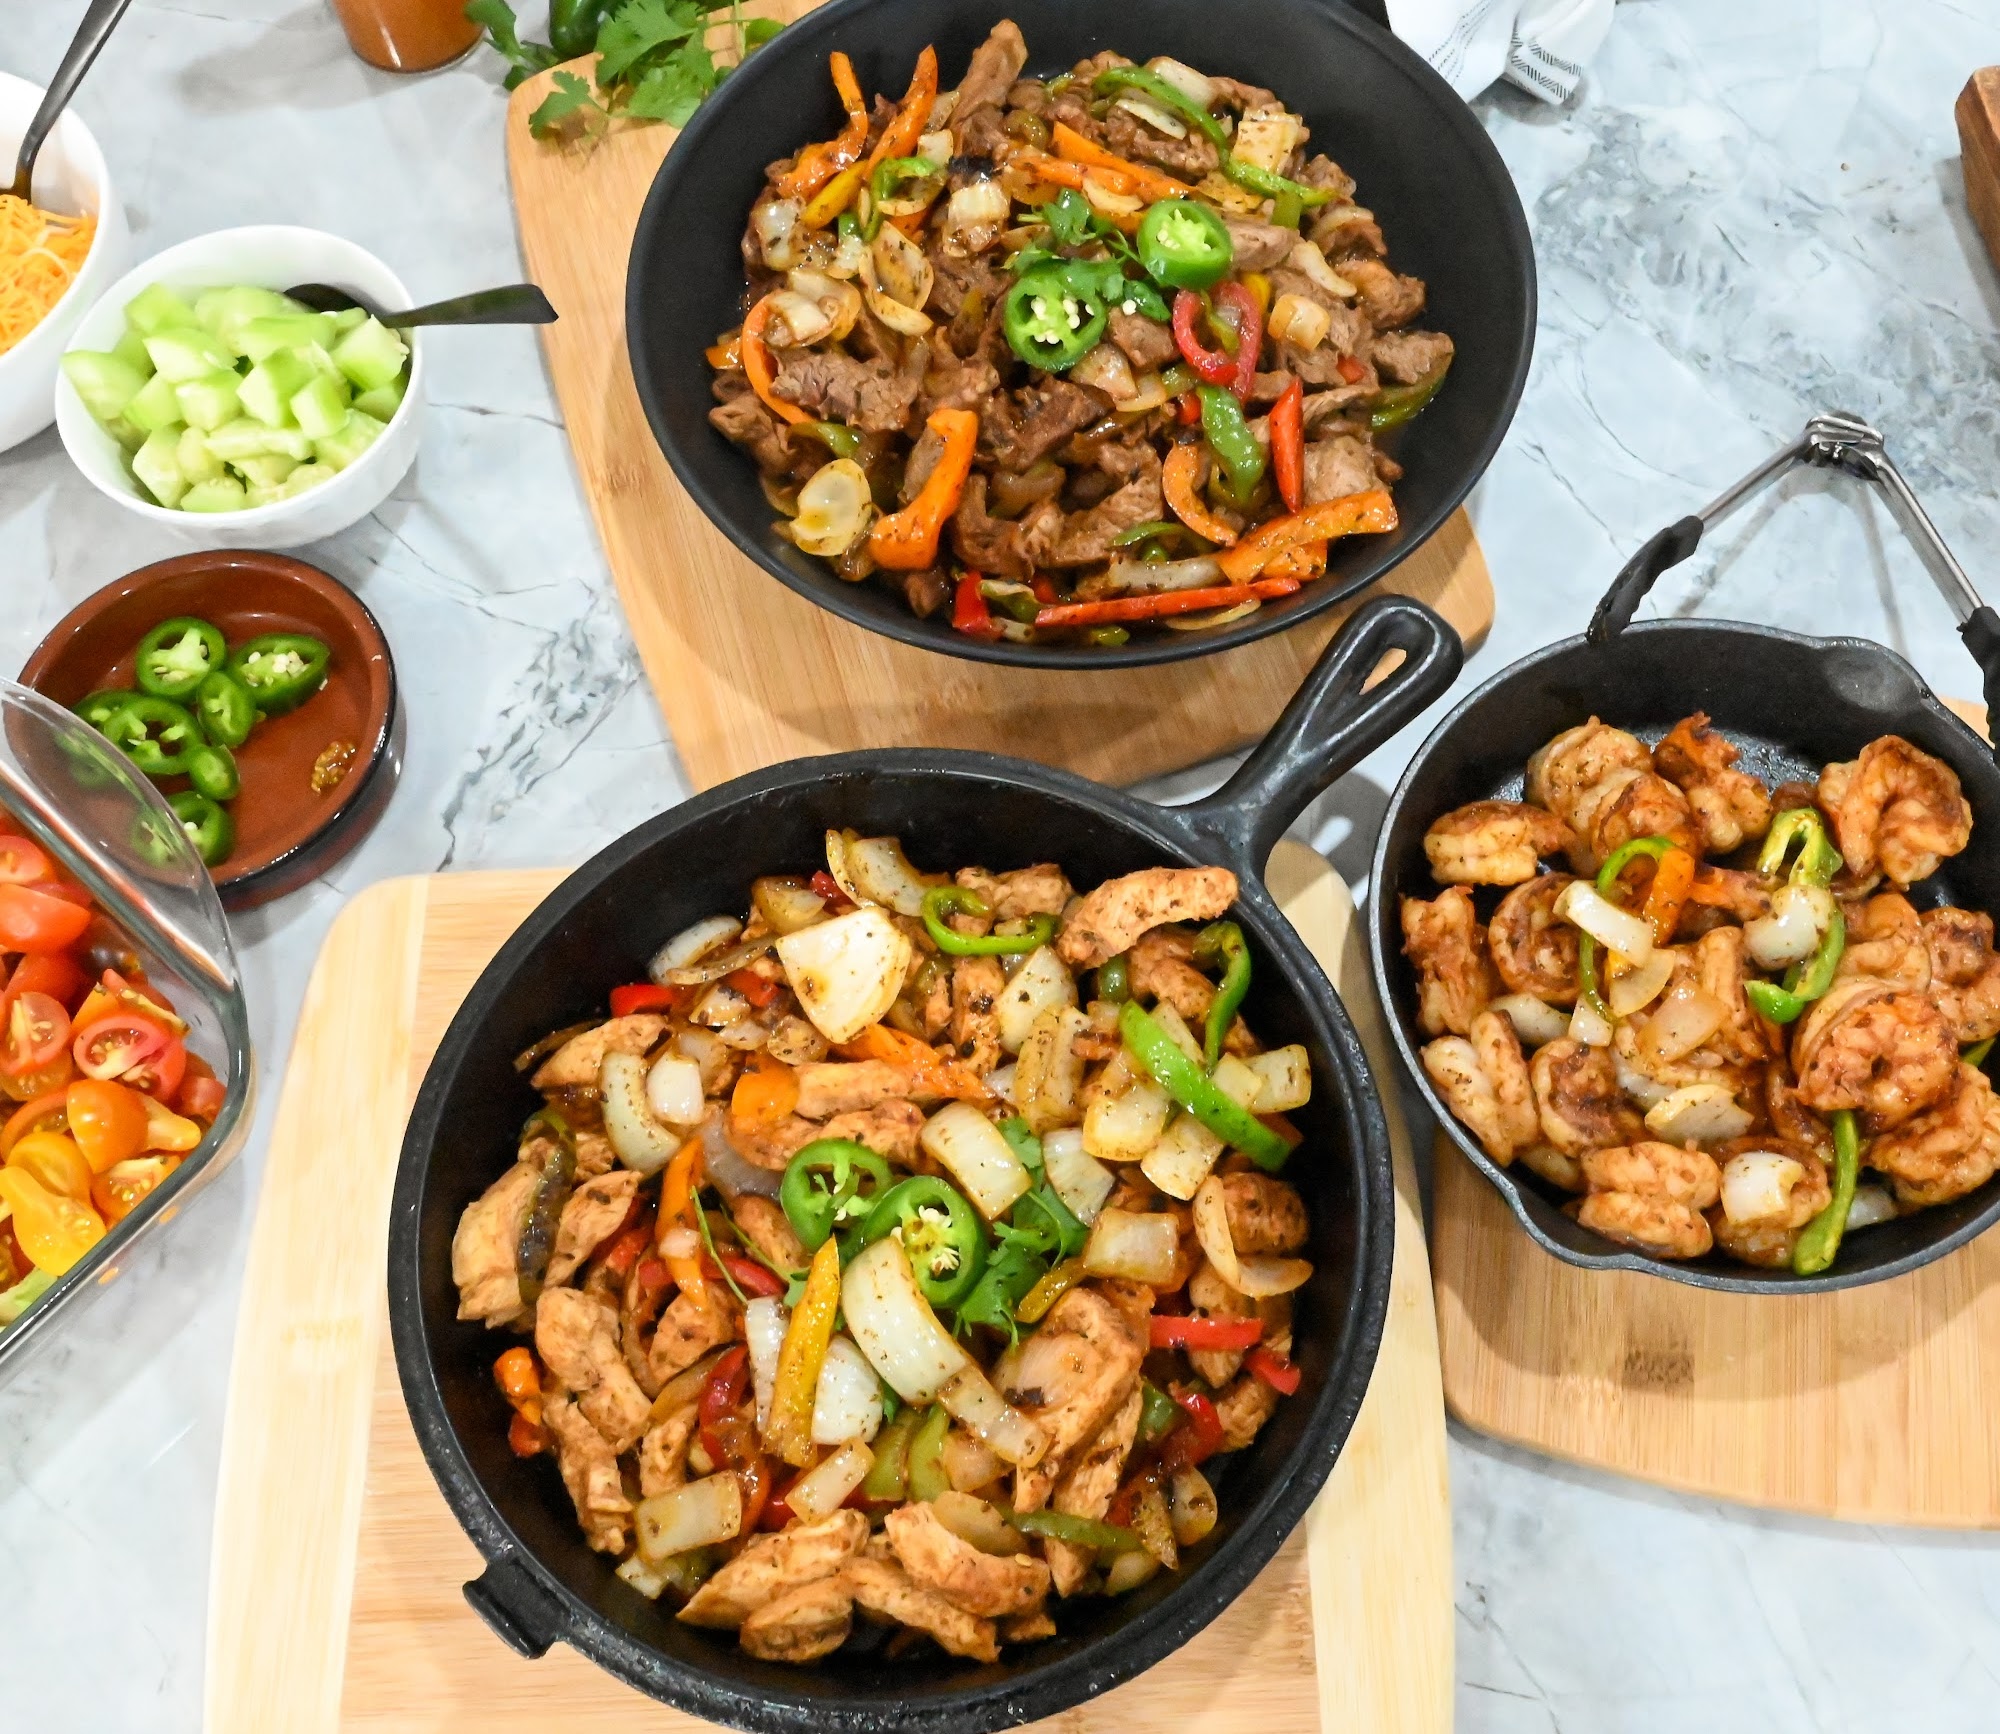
(70,177)
(272,257)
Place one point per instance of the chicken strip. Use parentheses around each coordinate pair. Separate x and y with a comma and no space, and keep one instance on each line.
(1024,892)
(596,1210)
(976,986)
(767,1228)
(1087,1487)
(689,1328)
(801,1625)
(1110,919)
(1266,1214)
(575,1063)
(1082,1361)
(663,1451)
(774,1565)
(577,1336)
(1243,1409)
(885,1588)
(981,1583)
(1493,843)
(842,1087)
(890,1130)
(1159,968)
(485,1247)
(589,1469)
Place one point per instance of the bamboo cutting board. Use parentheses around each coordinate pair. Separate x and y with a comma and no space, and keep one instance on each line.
(335,1605)
(1874,1405)
(748,673)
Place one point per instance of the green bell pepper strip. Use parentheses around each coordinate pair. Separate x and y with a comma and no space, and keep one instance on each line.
(1804,982)
(1819,1240)
(925,1478)
(888,1478)
(1196,1091)
(1158,90)
(100,707)
(156,734)
(1815,865)
(1273,186)
(1976,1054)
(1016,601)
(1589,987)
(1222,942)
(177,656)
(212,770)
(1232,441)
(209,828)
(1077,1531)
(1818,860)
(1114,978)
(941,1234)
(1397,404)
(281,670)
(1184,245)
(822,1187)
(224,709)
(1159,1414)
(1052,317)
(943,900)
(838,438)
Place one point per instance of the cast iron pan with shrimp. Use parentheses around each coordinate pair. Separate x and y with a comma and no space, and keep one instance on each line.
(542,1585)
(1792,705)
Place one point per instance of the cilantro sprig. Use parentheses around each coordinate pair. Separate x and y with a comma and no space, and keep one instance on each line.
(1068,221)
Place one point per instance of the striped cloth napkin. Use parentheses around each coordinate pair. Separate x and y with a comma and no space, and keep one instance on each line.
(1541,45)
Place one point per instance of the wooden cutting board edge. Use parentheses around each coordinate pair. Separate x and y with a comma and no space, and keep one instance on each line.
(1978,115)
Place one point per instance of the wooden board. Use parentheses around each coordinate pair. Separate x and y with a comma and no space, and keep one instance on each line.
(1978,113)
(335,1604)
(1874,1405)
(748,673)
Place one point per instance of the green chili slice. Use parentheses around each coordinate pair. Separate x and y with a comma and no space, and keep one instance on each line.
(1184,244)
(1114,978)
(281,670)
(1229,435)
(212,770)
(822,1188)
(1222,942)
(941,1234)
(156,734)
(1053,316)
(225,711)
(100,707)
(943,900)
(1195,1091)
(210,829)
(177,656)
(1819,1240)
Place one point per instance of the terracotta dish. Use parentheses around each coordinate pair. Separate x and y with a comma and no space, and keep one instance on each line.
(285,833)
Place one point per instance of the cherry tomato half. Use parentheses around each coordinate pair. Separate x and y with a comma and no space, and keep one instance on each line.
(201,1093)
(46,1113)
(160,1076)
(21,863)
(108,1121)
(112,1045)
(37,1032)
(39,921)
(168,1131)
(55,1161)
(54,973)
(54,1231)
(122,1188)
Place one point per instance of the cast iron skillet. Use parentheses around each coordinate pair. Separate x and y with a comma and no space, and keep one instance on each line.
(1422,162)
(1792,704)
(542,1585)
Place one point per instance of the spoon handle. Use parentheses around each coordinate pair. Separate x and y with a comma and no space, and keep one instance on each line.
(100,18)
(516,304)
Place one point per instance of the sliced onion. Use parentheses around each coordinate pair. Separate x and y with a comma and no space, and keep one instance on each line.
(1641,985)
(1141,1246)
(836,506)
(692,944)
(1698,1114)
(745,1035)
(882,874)
(1757,1185)
(1153,115)
(674,1091)
(1108,199)
(1202,623)
(848,971)
(845,260)
(1081,1181)
(732,1172)
(641,1141)
(1872,1204)
(1197,87)
(1589,1026)
(969,1147)
(698,1514)
(764,1323)
(1123,1128)
(796,320)
(719,964)
(823,1489)
(897,279)
(847,1401)
(990,1418)
(1535,1021)
(1181,1160)
(1041,984)
(786,903)
(1307,259)
(1285,1075)
(1642,1089)
(1791,932)
(710,1055)
(916,195)
(1139,578)
(718,1008)
(1105,367)
(1149,392)
(1299,320)
(1192,1508)
(838,301)
(971,1464)
(1127,1571)
(775,223)
(1000,1082)
(937,146)
(1686,1018)
(894,1326)
(1604,921)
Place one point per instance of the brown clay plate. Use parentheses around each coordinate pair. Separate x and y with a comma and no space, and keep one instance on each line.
(285,833)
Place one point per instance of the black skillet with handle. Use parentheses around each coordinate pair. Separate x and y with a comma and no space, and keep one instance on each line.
(1792,704)
(542,1585)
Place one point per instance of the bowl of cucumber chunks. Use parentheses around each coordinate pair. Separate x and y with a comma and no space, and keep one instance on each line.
(195,393)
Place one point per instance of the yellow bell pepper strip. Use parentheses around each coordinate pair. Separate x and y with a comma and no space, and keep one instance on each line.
(819,163)
(1162,603)
(765,1093)
(1036,1302)
(1181,482)
(931,1073)
(803,1353)
(1819,1240)
(1149,184)
(899,137)
(1193,1089)
(757,366)
(907,541)
(677,1208)
(831,200)
(1368,513)
(54,1231)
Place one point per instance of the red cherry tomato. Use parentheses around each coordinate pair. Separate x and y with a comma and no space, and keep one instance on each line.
(160,1076)
(39,920)
(111,1046)
(54,973)
(37,1032)
(21,863)
(201,1094)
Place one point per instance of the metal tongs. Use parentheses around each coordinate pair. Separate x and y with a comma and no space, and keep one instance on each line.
(1838,441)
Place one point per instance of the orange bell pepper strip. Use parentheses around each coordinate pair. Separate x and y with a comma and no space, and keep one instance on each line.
(1181,481)
(907,541)
(1117,608)
(1073,147)
(757,366)
(767,1091)
(1371,511)
(801,1356)
(931,1073)
(1667,896)
(726,352)
(899,137)
(1305,563)
(1288,444)
(520,1381)
(677,1208)
(819,163)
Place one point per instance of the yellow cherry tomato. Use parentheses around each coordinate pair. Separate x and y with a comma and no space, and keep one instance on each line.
(55,1161)
(54,1231)
(166,1130)
(107,1119)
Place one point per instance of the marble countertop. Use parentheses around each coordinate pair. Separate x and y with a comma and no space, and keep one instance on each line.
(1748,213)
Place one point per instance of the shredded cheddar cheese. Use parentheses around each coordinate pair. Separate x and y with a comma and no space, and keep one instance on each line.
(40,255)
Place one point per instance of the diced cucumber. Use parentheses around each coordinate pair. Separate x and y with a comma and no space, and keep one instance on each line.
(304,477)
(346,318)
(210,401)
(269,387)
(321,407)
(131,349)
(255,496)
(266,470)
(158,468)
(247,438)
(226,311)
(157,308)
(223,494)
(258,338)
(371,355)
(197,462)
(356,435)
(189,354)
(104,382)
(155,406)
(382,403)
(125,433)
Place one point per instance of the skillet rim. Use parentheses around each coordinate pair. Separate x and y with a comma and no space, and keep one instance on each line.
(1381,943)
(1430,98)
(1016,1693)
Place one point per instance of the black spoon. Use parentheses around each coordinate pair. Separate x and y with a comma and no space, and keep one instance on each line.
(516,304)
(99,18)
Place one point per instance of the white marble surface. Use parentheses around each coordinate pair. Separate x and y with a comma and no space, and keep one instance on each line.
(1750,211)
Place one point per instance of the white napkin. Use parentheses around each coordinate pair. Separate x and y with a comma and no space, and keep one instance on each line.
(1540,45)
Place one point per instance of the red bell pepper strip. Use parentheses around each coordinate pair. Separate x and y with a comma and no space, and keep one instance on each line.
(751,1277)
(1370,512)
(1288,443)
(826,887)
(1187,1332)
(969,613)
(1277,1372)
(759,990)
(1199,1439)
(1236,297)
(1350,370)
(722,1396)
(1216,366)
(1164,602)
(644,996)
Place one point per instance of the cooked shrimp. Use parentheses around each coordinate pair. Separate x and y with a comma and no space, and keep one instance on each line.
(1965,973)
(1600,781)
(1791,1119)
(1946,1151)
(1771,1189)
(1868,1047)
(1719,967)
(1651,1196)
(1553,1166)
(1655,1169)
(1533,950)
(1455,978)
(1578,1098)
(1729,805)
(1896,811)
(1484,1080)
(1493,843)
(1885,941)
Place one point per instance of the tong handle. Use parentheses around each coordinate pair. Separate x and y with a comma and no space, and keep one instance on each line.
(1639,574)
(1981,632)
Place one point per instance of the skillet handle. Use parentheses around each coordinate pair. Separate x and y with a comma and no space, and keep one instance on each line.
(1639,574)
(1335,720)
(522,1614)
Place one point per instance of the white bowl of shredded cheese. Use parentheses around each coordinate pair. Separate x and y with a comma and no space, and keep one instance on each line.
(70,181)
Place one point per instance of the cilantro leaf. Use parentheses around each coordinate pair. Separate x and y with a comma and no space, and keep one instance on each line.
(570,97)
(502,30)
(1068,216)
(637,29)
(674,87)
(758,31)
